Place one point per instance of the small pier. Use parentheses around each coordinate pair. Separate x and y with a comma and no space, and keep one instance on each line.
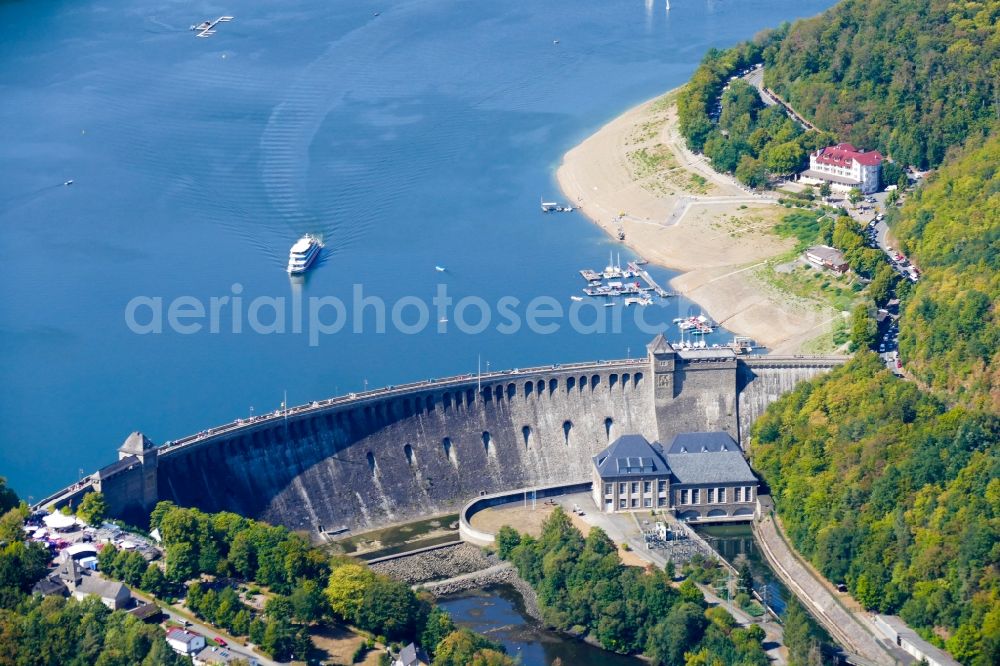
(555,207)
(590,276)
(640,272)
(207,28)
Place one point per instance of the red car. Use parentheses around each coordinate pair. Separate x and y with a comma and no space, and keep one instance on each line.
(220,641)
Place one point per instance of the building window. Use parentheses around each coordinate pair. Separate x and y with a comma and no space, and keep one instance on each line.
(635,503)
(747,494)
(685,498)
(722,495)
(647,502)
(635,487)
(711,495)
(737,494)
(647,487)
(695,496)
(662,501)
(661,486)
(621,504)
(621,488)
(608,488)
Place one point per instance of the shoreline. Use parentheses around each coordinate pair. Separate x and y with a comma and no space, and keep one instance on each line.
(636,174)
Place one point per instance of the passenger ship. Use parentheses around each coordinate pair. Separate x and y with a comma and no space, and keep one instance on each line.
(303,253)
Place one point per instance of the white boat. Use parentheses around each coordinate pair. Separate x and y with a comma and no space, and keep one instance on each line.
(440,269)
(576,298)
(609,305)
(303,254)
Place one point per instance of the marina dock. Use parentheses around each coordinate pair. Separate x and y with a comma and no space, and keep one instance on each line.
(640,272)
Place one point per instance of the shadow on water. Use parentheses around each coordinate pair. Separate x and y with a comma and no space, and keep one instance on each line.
(498,612)
(731,541)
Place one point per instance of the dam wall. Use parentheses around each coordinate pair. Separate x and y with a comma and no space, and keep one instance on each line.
(762,380)
(385,460)
(389,455)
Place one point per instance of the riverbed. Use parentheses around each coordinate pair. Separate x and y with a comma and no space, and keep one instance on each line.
(497,612)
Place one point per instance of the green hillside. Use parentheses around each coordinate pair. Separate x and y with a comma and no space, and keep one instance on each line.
(951,339)
(893,486)
(912,78)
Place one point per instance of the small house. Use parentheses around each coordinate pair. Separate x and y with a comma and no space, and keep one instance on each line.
(825,256)
(185,642)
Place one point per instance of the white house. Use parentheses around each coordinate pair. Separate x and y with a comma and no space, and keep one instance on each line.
(845,168)
(185,642)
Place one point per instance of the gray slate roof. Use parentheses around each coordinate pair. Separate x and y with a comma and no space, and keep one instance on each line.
(136,443)
(105,589)
(630,455)
(699,442)
(711,467)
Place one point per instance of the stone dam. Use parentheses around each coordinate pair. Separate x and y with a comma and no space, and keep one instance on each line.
(389,455)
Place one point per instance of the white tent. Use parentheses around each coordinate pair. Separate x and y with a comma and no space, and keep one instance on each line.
(79,549)
(58,521)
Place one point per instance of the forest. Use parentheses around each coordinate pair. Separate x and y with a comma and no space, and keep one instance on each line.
(912,80)
(886,488)
(584,588)
(893,486)
(724,117)
(952,227)
(214,562)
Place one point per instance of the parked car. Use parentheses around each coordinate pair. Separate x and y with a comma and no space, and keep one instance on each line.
(221,642)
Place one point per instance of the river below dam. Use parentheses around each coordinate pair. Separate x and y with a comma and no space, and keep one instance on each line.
(150,174)
(498,612)
(731,541)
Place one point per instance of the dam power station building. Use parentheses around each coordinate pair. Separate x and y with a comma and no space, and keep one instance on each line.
(396,453)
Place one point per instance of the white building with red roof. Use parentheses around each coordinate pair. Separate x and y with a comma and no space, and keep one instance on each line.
(845,168)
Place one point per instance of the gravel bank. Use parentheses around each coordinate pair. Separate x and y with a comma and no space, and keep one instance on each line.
(458,568)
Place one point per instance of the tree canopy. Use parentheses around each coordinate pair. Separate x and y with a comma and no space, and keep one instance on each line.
(912,78)
(582,585)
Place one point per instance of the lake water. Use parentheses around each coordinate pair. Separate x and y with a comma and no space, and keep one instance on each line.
(422,136)
(498,613)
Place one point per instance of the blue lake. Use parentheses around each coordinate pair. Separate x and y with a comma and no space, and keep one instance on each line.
(422,136)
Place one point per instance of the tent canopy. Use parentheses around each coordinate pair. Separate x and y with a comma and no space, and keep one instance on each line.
(58,521)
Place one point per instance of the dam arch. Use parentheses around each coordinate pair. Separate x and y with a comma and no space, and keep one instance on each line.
(338,461)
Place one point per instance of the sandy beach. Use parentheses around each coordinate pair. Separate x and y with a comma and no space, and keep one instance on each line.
(635,173)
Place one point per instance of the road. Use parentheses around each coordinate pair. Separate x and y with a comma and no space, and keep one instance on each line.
(853,630)
(756,79)
(211,634)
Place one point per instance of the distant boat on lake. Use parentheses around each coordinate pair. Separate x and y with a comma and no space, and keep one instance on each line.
(303,254)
